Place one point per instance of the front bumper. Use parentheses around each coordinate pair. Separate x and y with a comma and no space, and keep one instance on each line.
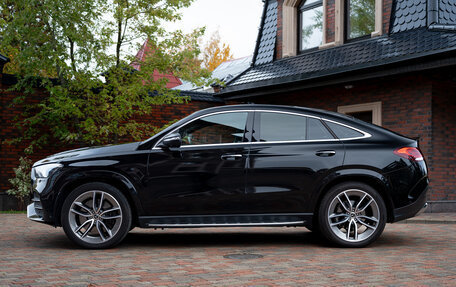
(33,213)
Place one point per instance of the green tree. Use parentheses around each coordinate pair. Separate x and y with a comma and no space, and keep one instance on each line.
(80,52)
(75,42)
(21,183)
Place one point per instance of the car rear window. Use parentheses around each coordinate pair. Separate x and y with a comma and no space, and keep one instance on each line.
(343,132)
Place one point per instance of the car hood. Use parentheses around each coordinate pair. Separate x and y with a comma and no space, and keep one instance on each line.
(88,152)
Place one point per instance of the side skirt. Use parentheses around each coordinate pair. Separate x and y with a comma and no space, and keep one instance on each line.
(227,220)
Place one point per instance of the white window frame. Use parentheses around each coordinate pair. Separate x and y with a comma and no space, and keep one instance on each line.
(339,22)
(374,107)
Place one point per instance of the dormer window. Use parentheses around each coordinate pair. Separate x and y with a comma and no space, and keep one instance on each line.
(359,19)
(310,24)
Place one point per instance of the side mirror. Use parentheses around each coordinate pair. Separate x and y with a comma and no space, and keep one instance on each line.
(172,141)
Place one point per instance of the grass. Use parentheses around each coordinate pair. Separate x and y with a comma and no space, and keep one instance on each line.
(13,212)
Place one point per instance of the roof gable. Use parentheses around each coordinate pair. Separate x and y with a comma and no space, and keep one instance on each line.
(418,28)
(145,50)
(266,42)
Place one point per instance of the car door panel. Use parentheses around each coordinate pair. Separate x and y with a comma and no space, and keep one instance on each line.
(284,166)
(282,177)
(199,179)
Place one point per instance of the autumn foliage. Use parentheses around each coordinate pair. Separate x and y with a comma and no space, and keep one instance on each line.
(215,52)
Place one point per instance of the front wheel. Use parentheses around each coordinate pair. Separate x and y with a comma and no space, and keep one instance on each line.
(352,214)
(96,215)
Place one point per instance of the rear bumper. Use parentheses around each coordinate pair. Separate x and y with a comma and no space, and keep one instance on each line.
(413,209)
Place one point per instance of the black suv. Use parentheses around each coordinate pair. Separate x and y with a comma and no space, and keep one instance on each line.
(243,165)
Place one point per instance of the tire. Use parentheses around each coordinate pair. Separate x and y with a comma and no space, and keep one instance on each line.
(92,225)
(352,214)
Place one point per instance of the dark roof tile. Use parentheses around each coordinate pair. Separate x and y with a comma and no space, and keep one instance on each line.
(410,14)
(372,52)
(201,97)
(447,12)
(267,39)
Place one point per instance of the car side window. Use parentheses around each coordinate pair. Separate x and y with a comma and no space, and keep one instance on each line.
(343,132)
(282,127)
(317,131)
(215,129)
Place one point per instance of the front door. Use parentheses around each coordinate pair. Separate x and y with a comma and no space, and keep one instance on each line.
(206,175)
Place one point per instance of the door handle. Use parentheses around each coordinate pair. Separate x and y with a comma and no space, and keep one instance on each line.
(325,153)
(231,156)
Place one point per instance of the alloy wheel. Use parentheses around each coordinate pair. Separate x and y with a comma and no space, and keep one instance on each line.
(353,215)
(95,216)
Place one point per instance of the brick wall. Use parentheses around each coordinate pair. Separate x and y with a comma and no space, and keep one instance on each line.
(9,154)
(278,49)
(444,140)
(406,109)
(330,21)
(387,5)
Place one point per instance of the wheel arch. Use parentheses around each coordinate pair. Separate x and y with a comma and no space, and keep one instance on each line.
(372,178)
(115,179)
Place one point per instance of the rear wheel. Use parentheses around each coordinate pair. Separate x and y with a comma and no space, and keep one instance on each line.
(96,215)
(352,214)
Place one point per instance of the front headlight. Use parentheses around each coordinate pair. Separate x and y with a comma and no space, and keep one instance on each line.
(43,171)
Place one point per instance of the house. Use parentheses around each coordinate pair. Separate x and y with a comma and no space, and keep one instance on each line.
(225,72)
(145,50)
(389,62)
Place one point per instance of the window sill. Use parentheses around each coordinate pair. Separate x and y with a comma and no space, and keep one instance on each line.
(327,45)
(376,34)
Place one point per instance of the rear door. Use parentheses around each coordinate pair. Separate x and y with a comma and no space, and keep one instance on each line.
(289,155)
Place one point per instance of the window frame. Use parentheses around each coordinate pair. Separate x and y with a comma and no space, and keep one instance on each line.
(255,139)
(346,24)
(251,125)
(246,136)
(374,107)
(303,7)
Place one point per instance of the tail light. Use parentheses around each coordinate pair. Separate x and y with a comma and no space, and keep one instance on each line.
(411,153)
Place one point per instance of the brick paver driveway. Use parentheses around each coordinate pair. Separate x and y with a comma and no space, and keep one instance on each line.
(406,254)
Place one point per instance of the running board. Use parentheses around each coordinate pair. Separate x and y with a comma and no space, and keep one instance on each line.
(234,220)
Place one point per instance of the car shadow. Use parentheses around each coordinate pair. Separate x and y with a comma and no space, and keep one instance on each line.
(204,238)
(221,239)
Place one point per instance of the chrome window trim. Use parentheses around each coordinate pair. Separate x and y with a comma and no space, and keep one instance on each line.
(197,118)
(365,134)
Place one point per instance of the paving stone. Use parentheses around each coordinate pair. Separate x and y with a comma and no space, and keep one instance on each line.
(405,255)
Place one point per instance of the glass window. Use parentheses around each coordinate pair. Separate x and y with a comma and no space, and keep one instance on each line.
(311,24)
(343,132)
(364,116)
(215,129)
(360,18)
(317,131)
(282,127)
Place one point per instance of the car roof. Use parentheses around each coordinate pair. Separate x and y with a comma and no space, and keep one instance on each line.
(306,110)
